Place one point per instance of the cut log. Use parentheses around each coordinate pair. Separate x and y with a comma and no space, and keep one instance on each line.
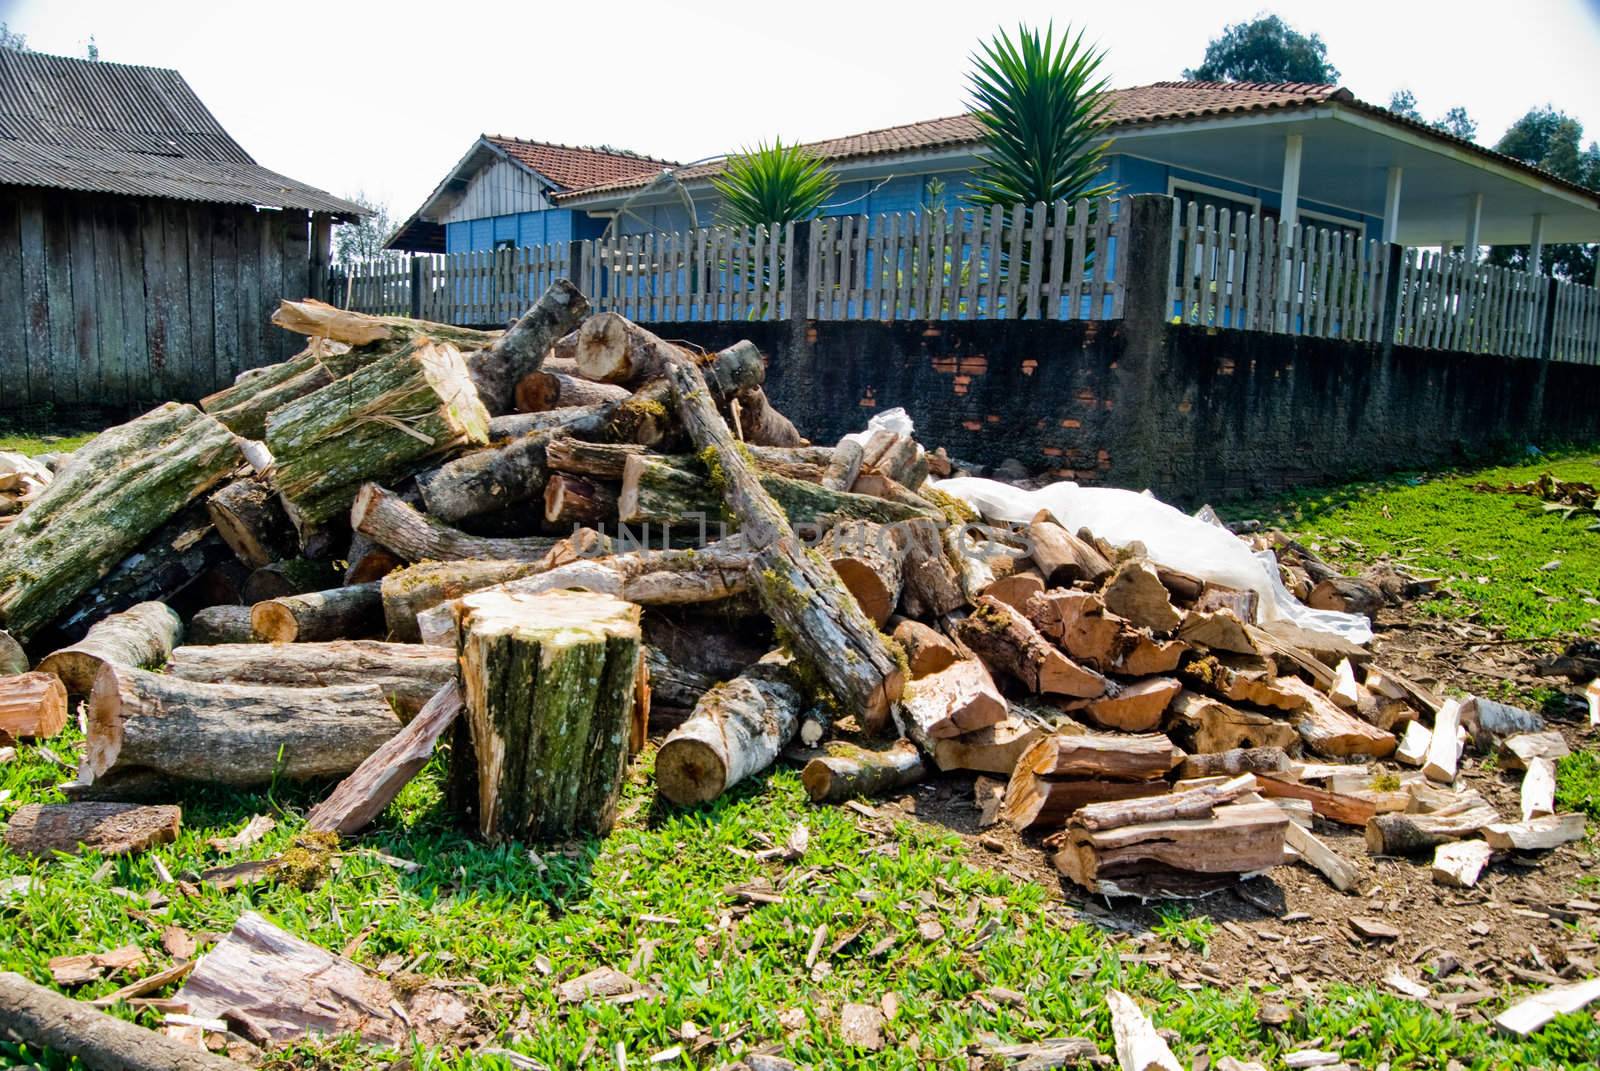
(608,460)
(993,749)
(1132,708)
(612,349)
(1139,1047)
(1539,789)
(363,795)
(1016,588)
(573,501)
(336,614)
(410,591)
(1196,802)
(895,457)
(1242,679)
(243,407)
(1007,642)
(869,559)
(1183,857)
(221,624)
(1256,760)
(550,748)
(408,674)
(932,584)
(387,518)
(13,659)
(321,320)
(804,598)
(1340,872)
(32,706)
(1135,592)
(120,487)
(927,651)
(1531,1013)
(844,466)
(737,730)
(40,830)
(1459,863)
(1488,721)
(542,391)
(367,560)
(230,734)
(382,422)
(1419,834)
(1329,731)
(142,636)
(657,491)
(297,576)
(675,684)
(1205,725)
(762,424)
(45,1021)
(1244,605)
(499,367)
(1348,595)
(848,771)
(1443,750)
(1345,693)
(250,518)
(488,481)
(1532,835)
(1062,557)
(958,699)
(1109,757)
(1034,802)
(1078,621)
(1521,749)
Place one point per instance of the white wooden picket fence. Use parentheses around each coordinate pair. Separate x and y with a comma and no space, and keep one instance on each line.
(1446,303)
(1575,328)
(713,273)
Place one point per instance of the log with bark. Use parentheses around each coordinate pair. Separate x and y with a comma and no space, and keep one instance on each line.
(1420,834)
(542,391)
(1114,757)
(847,771)
(497,368)
(1136,707)
(382,422)
(550,748)
(577,501)
(1034,802)
(1008,643)
(1235,761)
(230,734)
(388,519)
(607,460)
(297,576)
(868,558)
(408,674)
(761,424)
(243,407)
(1080,623)
(673,683)
(658,491)
(932,583)
(368,560)
(336,614)
(221,624)
(121,486)
(737,730)
(1062,557)
(927,651)
(1335,806)
(250,518)
(487,481)
(362,796)
(32,706)
(142,636)
(1329,731)
(410,591)
(318,319)
(41,830)
(843,466)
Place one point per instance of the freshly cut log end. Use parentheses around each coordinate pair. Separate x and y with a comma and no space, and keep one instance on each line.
(1133,708)
(142,635)
(993,749)
(868,558)
(41,830)
(737,729)
(550,746)
(499,367)
(927,651)
(958,699)
(573,500)
(540,392)
(847,771)
(32,706)
(337,614)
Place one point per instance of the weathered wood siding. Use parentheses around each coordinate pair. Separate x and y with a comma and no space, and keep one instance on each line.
(116,301)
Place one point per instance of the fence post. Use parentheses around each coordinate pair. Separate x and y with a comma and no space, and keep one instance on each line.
(797,273)
(1546,345)
(416,287)
(1147,298)
(1391,295)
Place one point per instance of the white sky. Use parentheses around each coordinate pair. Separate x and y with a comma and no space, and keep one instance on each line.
(385,97)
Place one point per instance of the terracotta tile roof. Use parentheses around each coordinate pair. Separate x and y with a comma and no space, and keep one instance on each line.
(577,167)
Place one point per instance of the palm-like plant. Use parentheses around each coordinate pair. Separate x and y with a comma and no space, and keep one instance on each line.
(773,183)
(1042,104)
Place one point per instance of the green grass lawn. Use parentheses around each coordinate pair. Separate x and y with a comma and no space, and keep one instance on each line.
(43,444)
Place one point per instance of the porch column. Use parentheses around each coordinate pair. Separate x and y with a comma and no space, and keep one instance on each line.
(1289,211)
(1469,249)
(1391,205)
(1536,243)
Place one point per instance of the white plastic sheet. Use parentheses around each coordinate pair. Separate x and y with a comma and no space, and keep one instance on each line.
(896,420)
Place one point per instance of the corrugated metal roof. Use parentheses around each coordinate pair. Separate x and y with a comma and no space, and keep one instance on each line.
(141,131)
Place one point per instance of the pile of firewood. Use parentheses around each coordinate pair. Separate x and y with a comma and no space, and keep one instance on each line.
(555,542)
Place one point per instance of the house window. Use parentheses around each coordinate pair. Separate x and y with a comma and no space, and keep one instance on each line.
(1203,197)
(505,243)
(1334,225)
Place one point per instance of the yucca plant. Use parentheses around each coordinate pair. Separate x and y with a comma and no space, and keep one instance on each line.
(773,183)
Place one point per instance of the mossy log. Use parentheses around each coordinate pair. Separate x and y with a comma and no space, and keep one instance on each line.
(243,407)
(649,417)
(847,771)
(497,367)
(550,683)
(296,576)
(542,391)
(657,491)
(869,558)
(336,614)
(607,460)
(142,635)
(32,705)
(230,734)
(221,624)
(250,518)
(390,520)
(572,420)
(120,487)
(381,422)
(409,591)
(487,481)
(737,729)
(406,673)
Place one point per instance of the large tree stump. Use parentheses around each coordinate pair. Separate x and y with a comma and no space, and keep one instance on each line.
(497,368)
(230,734)
(381,422)
(408,674)
(737,729)
(108,828)
(847,771)
(250,518)
(32,705)
(141,635)
(387,518)
(118,488)
(550,687)
(336,614)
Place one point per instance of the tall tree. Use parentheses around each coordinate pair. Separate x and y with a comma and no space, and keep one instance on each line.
(363,240)
(1265,49)
(1042,104)
(8,39)
(1553,141)
(1456,121)
(774,183)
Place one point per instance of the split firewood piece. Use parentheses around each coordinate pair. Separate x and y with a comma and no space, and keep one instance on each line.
(383,421)
(893,456)
(993,749)
(1334,806)
(958,699)
(1256,760)
(1487,721)
(737,730)
(1217,630)
(1340,872)
(1139,1047)
(1114,757)
(122,485)
(1206,725)
(803,597)
(44,1020)
(844,466)
(1135,592)
(575,501)
(1017,587)
(362,796)
(416,537)
(932,583)
(868,558)
(1539,789)
(1416,834)
(1458,863)
(142,635)
(1199,802)
(220,624)
(337,614)
(1518,752)
(1414,744)
(848,771)
(32,706)
(1533,834)
(250,518)
(1007,642)
(1242,679)
(1036,802)
(547,389)
(230,734)
(1079,622)
(550,748)
(1243,604)
(1144,655)
(499,367)
(1326,729)
(1061,556)
(1390,683)
(1134,708)
(658,490)
(1444,750)
(1345,693)
(108,828)
(409,591)
(1530,1014)
(297,576)
(927,651)
(1184,857)
(13,659)
(408,674)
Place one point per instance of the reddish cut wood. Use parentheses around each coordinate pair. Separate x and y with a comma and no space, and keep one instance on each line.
(32,705)
(108,828)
